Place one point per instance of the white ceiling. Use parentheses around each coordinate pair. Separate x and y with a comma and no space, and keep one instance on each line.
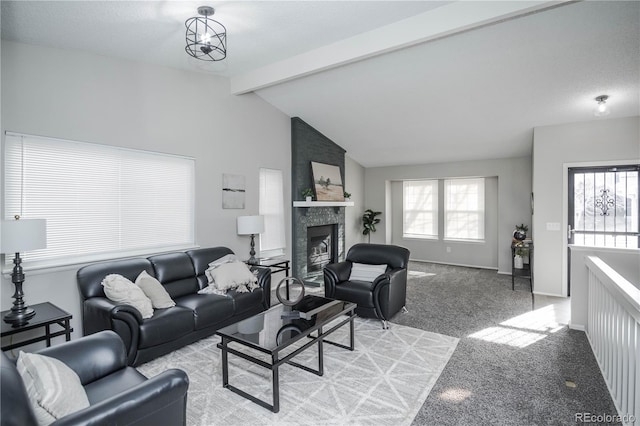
(476,94)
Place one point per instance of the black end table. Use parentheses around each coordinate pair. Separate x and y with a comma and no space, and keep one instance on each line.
(47,314)
(275,264)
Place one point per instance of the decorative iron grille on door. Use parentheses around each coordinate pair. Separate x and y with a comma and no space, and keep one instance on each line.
(604,206)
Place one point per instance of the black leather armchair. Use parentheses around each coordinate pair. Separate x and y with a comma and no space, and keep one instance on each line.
(383,297)
(118,394)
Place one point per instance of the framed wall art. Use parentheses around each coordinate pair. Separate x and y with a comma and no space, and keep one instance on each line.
(327,182)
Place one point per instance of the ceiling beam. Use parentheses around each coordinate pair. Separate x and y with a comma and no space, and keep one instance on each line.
(443,21)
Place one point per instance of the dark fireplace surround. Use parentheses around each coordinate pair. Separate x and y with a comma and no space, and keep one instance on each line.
(307,145)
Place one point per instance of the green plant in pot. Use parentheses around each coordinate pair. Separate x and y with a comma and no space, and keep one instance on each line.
(307,193)
(347,195)
(369,221)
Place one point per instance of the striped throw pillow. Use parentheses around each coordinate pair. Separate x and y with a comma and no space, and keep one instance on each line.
(364,272)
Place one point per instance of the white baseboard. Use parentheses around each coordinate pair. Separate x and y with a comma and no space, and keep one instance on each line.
(579,327)
(454,264)
(549,294)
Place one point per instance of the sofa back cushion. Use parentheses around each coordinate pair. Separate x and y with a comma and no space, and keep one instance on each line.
(90,277)
(15,405)
(201,259)
(175,272)
(377,254)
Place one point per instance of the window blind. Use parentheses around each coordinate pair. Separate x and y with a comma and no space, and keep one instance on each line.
(98,200)
(420,209)
(272,240)
(464,209)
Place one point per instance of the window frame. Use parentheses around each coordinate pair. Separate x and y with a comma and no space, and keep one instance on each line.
(11,206)
(433,211)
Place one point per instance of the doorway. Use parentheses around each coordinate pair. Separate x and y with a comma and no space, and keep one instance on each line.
(603,207)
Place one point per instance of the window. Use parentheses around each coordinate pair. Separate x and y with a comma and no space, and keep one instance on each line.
(272,240)
(464,209)
(420,209)
(99,201)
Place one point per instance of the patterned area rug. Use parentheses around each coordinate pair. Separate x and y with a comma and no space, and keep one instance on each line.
(384,381)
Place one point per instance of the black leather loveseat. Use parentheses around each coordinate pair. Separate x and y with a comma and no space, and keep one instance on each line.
(117,394)
(194,317)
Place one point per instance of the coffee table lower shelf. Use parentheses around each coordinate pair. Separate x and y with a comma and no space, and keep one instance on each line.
(276,361)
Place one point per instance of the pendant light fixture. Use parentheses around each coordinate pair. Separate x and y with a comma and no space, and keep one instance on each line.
(206,38)
(602,108)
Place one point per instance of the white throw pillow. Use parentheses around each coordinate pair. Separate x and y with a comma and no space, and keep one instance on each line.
(233,276)
(53,388)
(364,272)
(121,290)
(155,291)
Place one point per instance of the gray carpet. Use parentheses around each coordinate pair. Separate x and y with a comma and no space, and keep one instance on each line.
(509,373)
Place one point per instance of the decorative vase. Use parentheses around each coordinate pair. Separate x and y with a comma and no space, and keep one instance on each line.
(308,199)
(518,262)
(519,235)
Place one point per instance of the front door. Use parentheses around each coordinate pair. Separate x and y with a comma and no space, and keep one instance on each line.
(604,207)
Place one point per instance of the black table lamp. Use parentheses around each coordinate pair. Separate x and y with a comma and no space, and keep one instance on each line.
(251,225)
(18,236)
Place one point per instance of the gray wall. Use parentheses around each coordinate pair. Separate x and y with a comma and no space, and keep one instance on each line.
(513,200)
(483,254)
(354,181)
(555,148)
(79,96)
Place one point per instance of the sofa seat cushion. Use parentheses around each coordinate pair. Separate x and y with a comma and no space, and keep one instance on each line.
(113,384)
(166,325)
(208,309)
(358,292)
(246,301)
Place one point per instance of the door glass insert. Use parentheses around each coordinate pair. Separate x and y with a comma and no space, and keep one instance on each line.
(604,206)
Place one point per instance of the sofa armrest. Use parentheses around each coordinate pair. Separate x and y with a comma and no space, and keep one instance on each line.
(100,313)
(264,281)
(91,357)
(390,292)
(334,274)
(160,400)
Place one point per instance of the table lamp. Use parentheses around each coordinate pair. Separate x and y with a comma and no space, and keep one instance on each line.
(18,236)
(251,225)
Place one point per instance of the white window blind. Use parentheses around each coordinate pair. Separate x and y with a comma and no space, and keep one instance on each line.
(420,209)
(272,240)
(99,201)
(464,209)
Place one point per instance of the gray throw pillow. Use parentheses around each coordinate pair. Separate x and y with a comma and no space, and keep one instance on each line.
(155,291)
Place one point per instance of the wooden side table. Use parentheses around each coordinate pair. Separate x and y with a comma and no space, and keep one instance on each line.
(47,314)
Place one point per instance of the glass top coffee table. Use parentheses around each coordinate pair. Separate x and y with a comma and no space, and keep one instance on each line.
(275,333)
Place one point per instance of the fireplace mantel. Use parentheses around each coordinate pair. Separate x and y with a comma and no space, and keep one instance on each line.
(323,204)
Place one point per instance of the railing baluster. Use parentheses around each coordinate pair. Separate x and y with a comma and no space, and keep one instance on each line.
(613,329)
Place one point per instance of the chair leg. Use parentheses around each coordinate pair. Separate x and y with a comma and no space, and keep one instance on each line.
(385,325)
(405,310)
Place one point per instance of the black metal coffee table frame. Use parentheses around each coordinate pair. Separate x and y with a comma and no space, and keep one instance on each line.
(276,361)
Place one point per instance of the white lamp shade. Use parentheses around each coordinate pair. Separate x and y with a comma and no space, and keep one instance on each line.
(23,235)
(248,225)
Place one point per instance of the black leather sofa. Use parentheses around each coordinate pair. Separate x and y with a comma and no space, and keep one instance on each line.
(383,297)
(118,394)
(194,317)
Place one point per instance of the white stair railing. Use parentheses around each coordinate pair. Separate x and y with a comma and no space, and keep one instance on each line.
(613,329)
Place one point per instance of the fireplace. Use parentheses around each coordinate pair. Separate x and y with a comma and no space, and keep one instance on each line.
(322,248)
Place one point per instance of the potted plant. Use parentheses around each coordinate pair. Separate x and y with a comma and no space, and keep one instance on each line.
(347,195)
(369,221)
(520,233)
(307,193)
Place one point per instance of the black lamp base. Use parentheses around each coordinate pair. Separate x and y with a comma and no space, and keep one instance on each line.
(18,317)
(20,313)
(252,252)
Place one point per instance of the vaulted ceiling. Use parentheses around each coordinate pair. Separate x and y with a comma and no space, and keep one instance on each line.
(393,82)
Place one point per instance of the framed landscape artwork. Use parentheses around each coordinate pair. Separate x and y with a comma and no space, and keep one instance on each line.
(327,182)
(233,189)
